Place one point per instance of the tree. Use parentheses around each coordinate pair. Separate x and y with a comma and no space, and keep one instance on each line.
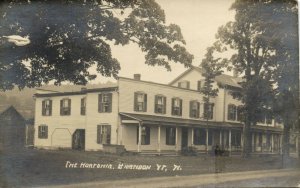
(68,37)
(211,67)
(255,56)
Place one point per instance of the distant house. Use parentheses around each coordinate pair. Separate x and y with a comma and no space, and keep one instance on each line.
(12,128)
(147,116)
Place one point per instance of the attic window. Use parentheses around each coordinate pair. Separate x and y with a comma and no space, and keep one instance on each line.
(184,84)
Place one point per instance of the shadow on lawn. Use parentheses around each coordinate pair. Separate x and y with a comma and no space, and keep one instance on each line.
(30,167)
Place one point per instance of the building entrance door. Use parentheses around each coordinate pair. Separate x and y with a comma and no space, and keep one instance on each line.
(184,138)
(78,139)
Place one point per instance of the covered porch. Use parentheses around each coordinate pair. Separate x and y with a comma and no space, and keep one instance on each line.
(157,134)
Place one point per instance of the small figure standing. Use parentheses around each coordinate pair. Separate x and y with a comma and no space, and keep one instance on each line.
(217,159)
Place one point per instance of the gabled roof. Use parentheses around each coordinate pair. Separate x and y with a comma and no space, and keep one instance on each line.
(12,111)
(185,73)
(222,79)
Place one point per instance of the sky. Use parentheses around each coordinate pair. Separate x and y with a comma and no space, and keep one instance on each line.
(199,21)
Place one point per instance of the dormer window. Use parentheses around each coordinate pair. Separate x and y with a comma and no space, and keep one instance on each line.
(184,84)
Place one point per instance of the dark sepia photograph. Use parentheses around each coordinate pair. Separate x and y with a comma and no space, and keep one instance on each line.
(149,93)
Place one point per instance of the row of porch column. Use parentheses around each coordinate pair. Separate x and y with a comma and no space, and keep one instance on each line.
(177,148)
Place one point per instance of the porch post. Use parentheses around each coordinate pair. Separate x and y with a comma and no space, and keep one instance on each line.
(176,139)
(158,138)
(140,137)
(272,142)
(221,139)
(206,140)
(192,136)
(229,141)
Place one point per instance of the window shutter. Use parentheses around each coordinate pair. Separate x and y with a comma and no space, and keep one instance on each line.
(50,107)
(199,85)
(145,103)
(212,111)
(40,131)
(165,105)
(99,134)
(180,100)
(188,85)
(155,103)
(110,102)
(108,134)
(173,101)
(61,106)
(43,108)
(179,84)
(69,106)
(228,112)
(135,107)
(46,130)
(198,109)
(191,109)
(100,109)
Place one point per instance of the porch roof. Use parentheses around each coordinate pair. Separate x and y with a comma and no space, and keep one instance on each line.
(132,118)
(172,121)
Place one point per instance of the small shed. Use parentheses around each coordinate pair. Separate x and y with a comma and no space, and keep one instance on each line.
(12,128)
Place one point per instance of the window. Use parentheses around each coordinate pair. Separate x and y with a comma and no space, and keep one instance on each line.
(231,113)
(83,106)
(236,138)
(239,111)
(160,104)
(65,107)
(199,136)
(140,102)
(47,107)
(260,117)
(105,102)
(170,135)
(259,139)
(176,106)
(199,85)
(269,118)
(145,135)
(184,84)
(208,111)
(194,109)
(43,131)
(103,134)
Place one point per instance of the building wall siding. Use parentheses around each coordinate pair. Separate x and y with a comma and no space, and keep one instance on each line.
(56,121)
(128,87)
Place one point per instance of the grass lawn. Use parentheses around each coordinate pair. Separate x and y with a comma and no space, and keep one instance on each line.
(31,167)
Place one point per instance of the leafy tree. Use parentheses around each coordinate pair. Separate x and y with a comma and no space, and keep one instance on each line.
(255,56)
(211,67)
(68,37)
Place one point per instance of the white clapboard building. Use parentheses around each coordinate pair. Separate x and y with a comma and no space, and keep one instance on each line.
(146,116)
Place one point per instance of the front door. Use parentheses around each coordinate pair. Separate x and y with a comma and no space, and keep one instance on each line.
(78,139)
(184,138)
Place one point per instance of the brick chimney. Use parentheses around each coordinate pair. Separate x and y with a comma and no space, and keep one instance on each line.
(137,76)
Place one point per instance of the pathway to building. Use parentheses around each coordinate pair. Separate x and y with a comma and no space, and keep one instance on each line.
(270,178)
